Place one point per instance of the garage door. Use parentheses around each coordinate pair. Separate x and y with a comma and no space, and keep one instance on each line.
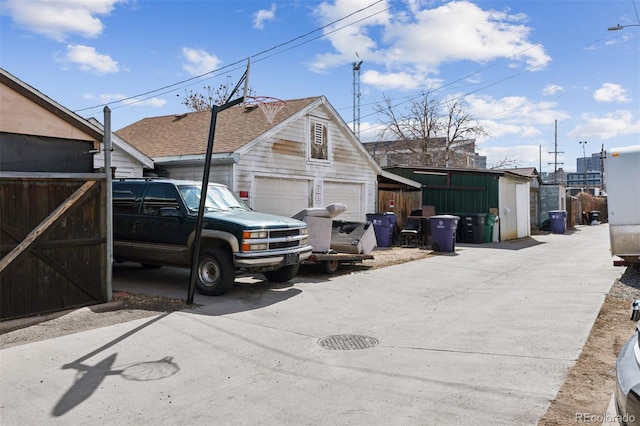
(285,197)
(352,194)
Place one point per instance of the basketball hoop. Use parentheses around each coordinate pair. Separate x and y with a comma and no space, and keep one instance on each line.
(269,106)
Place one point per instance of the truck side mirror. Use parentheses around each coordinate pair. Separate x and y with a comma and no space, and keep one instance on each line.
(170,212)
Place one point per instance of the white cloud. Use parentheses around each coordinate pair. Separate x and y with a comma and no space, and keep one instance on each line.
(552,89)
(418,41)
(264,15)
(399,80)
(610,92)
(516,156)
(199,61)
(88,59)
(58,19)
(515,116)
(606,126)
(106,98)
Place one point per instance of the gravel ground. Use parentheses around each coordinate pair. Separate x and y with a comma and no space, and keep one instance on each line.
(628,286)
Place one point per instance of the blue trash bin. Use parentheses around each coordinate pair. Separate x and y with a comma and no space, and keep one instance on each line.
(443,232)
(558,221)
(383,224)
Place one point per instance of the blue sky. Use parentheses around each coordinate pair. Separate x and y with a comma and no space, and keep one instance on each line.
(521,66)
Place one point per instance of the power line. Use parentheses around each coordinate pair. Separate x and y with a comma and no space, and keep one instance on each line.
(213,73)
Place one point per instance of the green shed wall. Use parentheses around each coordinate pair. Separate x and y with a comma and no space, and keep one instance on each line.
(467,192)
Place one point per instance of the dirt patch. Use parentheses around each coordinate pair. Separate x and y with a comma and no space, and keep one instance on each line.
(591,381)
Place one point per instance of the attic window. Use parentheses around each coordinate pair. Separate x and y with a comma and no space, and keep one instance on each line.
(319,140)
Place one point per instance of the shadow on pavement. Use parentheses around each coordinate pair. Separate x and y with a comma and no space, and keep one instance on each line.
(89,377)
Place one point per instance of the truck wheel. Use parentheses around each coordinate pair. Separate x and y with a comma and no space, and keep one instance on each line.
(216,273)
(283,274)
(331,266)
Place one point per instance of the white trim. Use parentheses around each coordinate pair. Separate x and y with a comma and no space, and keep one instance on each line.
(400,179)
(216,159)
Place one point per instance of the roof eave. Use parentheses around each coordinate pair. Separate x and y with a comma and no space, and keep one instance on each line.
(50,105)
(197,159)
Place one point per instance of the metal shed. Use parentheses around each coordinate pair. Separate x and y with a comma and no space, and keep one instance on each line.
(462,191)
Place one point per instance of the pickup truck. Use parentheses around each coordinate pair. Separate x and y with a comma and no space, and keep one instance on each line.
(154,224)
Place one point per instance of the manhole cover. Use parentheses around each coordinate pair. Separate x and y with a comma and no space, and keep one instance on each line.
(347,342)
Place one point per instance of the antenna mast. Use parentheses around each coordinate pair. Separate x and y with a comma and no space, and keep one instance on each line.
(356,97)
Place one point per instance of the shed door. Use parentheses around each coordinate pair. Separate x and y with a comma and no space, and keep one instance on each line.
(351,194)
(523,210)
(281,196)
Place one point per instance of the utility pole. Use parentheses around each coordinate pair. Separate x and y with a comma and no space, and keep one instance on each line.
(603,154)
(555,153)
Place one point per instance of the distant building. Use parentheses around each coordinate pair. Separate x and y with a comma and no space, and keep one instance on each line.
(481,161)
(415,153)
(560,177)
(589,164)
(592,179)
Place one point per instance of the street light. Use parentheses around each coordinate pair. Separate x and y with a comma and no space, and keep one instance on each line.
(619,27)
(584,160)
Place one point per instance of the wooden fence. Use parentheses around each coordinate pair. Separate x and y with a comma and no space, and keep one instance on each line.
(52,244)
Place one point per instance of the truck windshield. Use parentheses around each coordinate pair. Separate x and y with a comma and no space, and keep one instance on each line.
(218,198)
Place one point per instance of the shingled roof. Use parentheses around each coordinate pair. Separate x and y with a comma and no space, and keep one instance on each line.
(187,134)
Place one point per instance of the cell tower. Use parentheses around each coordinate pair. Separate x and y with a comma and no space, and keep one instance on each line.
(356,98)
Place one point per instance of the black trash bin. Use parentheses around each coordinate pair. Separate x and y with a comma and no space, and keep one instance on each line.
(474,227)
(443,232)
(594,215)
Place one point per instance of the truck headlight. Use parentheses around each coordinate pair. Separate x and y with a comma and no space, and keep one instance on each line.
(247,246)
(247,235)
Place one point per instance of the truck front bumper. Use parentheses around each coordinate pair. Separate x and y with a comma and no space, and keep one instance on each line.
(272,259)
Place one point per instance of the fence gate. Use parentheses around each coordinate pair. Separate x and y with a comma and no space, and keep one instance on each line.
(52,244)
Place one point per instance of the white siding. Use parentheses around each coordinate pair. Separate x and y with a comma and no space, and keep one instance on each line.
(351,194)
(507,206)
(286,155)
(125,166)
(514,209)
(523,210)
(282,196)
(218,174)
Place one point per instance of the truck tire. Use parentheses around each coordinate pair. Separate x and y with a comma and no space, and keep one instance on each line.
(283,274)
(330,266)
(216,273)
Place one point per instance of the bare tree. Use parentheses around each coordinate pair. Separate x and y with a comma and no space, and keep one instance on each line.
(431,131)
(459,126)
(505,163)
(205,100)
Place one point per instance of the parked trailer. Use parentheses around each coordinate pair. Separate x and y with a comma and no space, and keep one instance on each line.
(332,261)
(622,175)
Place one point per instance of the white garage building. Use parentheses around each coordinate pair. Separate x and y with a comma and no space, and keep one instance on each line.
(307,157)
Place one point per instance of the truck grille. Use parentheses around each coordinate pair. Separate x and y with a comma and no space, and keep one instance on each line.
(286,244)
(283,234)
